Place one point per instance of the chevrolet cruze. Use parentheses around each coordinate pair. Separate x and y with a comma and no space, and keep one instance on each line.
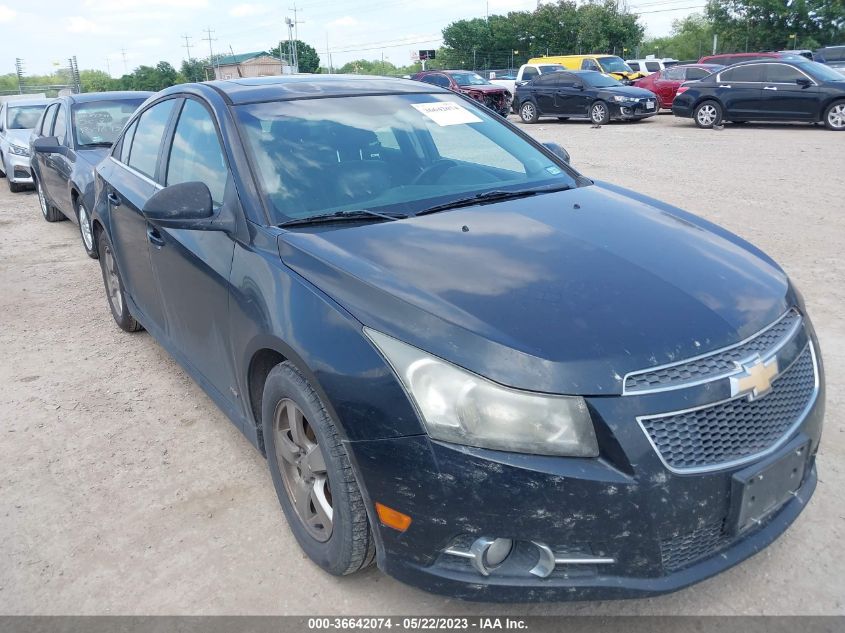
(498,379)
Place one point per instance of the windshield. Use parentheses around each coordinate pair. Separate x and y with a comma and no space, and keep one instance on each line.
(599,80)
(396,154)
(23,117)
(469,79)
(551,68)
(614,65)
(821,72)
(98,123)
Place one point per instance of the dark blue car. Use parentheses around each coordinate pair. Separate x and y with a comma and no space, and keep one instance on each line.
(462,359)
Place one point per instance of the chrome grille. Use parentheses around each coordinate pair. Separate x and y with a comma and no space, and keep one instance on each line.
(681,550)
(716,365)
(730,432)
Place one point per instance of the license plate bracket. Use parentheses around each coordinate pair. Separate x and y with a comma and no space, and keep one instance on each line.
(760,490)
(649,105)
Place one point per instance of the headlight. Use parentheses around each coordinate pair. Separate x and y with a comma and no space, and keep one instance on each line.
(622,99)
(19,150)
(461,407)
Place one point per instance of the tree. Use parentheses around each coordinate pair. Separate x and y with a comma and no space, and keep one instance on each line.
(96,81)
(193,69)
(309,60)
(691,38)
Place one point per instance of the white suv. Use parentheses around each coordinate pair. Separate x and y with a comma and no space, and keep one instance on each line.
(651,64)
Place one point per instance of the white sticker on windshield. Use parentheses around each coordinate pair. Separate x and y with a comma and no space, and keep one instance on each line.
(446,113)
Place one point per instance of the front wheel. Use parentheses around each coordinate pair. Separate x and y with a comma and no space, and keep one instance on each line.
(708,114)
(834,116)
(15,187)
(114,286)
(599,114)
(528,112)
(85,230)
(312,474)
(50,213)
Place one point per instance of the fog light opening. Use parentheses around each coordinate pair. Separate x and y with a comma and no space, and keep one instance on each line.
(489,553)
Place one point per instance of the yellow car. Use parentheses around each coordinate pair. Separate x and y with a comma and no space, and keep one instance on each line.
(608,64)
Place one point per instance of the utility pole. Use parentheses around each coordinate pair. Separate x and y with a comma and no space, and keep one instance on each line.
(208,31)
(328,55)
(187,46)
(292,47)
(295,38)
(108,66)
(19,72)
(125,67)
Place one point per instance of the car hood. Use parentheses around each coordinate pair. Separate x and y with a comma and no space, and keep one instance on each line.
(560,293)
(628,91)
(19,137)
(94,156)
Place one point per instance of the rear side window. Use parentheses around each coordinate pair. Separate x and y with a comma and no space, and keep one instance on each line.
(146,142)
(752,73)
(677,74)
(196,155)
(652,67)
(634,65)
(437,80)
(693,73)
(782,74)
(60,124)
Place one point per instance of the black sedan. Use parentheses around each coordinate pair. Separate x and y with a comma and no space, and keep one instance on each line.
(765,90)
(463,360)
(583,94)
(73,135)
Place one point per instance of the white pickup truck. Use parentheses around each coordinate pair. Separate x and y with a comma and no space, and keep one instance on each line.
(527,72)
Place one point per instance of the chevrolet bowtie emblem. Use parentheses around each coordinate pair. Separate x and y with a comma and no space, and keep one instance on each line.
(756,377)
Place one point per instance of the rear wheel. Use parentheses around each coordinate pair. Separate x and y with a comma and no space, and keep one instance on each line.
(599,114)
(50,213)
(114,286)
(708,114)
(528,112)
(834,116)
(312,474)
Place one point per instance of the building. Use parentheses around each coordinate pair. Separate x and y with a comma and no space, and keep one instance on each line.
(258,64)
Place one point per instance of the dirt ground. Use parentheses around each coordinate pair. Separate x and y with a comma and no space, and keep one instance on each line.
(123,489)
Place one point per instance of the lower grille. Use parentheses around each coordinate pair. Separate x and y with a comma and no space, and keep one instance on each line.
(681,550)
(736,430)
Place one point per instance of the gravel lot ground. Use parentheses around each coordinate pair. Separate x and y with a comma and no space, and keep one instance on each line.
(123,489)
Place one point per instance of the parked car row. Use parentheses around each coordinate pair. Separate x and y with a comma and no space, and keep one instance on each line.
(462,358)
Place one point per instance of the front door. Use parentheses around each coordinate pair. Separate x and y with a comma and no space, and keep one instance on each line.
(52,165)
(570,96)
(192,267)
(785,99)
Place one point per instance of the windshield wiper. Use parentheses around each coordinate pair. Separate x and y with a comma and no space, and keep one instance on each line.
(495,195)
(342,216)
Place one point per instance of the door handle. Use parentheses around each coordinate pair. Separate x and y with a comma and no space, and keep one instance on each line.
(726,86)
(113,199)
(154,237)
(770,87)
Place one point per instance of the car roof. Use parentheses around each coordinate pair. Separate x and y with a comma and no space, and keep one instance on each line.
(27,102)
(284,88)
(89,97)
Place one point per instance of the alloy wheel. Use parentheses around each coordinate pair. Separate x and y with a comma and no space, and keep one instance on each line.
(598,113)
(303,469)
(41,199)
(528,111)
(85,228)
(706,115)
(836,116)
(112,281)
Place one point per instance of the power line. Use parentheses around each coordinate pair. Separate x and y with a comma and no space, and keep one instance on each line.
(125,67)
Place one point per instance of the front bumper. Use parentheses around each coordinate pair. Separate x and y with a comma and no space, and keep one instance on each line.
(662,530)
(18,169)
(628,112)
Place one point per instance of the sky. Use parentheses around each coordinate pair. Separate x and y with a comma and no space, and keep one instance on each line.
(119,35)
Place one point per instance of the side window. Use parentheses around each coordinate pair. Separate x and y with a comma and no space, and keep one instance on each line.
(47,120)
(694,73)
(635,66)
(196,155)
(146,142)
(589,64)
(652,67)
(442,81)
(59,129)
(126,144)
(750,73)
(677,74)
(782,74)
(529,73)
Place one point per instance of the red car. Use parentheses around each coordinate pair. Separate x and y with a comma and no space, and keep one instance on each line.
(726,59)
(666,82)
(471,84)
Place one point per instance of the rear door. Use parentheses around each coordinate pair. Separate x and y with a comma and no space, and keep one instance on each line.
(740,89)
(666,84)
(128,187)
(785,99)
(192,267)
(544,88)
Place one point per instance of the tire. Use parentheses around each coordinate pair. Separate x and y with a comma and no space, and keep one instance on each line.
(707,114)
(337,536)
(86,230)
(113,284)
(834,116)
(599,113)
(15,187)
(2,166)
(50,213)
(528,112)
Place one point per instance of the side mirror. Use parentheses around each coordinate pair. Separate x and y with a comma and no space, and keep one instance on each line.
(186,205)
(48,145)
(558,151)
(804,82)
